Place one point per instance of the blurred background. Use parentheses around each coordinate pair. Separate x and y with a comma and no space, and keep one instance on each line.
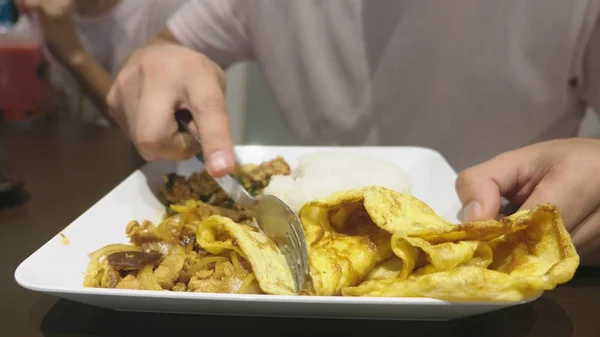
(32,90)
(28,94)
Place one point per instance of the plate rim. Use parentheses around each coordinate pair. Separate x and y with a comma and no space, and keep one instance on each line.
(266,298)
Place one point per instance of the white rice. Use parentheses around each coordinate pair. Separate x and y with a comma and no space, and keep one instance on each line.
(321,174)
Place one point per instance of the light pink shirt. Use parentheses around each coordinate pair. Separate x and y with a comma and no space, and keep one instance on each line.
(470,78)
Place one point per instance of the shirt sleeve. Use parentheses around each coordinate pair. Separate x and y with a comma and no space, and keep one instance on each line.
(157,15)
(218,29)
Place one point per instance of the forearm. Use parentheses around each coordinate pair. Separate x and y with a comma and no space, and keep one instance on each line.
(92,77)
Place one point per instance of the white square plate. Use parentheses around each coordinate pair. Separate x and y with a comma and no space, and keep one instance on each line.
(58,269)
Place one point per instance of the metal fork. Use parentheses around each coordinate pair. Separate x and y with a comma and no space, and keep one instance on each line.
(274,218)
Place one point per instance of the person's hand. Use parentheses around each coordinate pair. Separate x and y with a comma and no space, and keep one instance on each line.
(564,172)
(56,20)
(156,81)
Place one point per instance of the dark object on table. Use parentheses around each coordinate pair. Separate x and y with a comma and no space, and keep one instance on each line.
(12,192)
(8,179)
(14,197)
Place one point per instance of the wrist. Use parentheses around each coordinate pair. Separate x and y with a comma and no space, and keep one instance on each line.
(77,58)
(69,52)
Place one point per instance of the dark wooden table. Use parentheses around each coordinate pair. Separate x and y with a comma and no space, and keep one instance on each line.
(68,166)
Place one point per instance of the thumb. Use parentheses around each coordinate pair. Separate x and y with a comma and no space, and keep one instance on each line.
(211,122)
(481,187)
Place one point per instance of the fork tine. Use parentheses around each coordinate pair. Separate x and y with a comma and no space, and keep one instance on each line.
(299,232)
(281,224)
(291,258)
(294,255)
(299,252)
(295,244)
(302,260)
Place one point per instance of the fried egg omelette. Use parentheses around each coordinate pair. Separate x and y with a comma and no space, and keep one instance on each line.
(369,241)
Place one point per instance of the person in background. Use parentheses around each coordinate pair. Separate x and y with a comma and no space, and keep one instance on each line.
(87,41)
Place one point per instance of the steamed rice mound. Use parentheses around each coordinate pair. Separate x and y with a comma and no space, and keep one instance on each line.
(321,174)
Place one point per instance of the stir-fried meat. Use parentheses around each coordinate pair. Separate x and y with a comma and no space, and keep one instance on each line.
(167,255)
(208,285)
(236,214)
(180,286)
(256,177)
(168,271)
(110,278)
(140,234)
(191,258)
(171,228)
(201,186)
(164,248)
(222,279)
(188,232)
(129,282)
